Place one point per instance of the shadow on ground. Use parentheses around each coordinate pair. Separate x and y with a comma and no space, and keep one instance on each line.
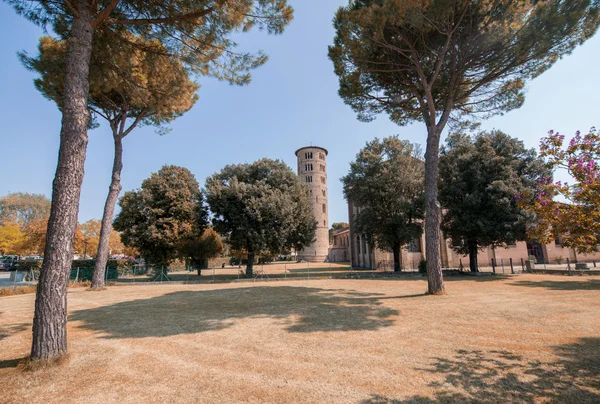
(590,284)
(502,377)
(10,329)
(301,309)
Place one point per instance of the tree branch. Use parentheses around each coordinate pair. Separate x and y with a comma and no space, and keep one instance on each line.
(103,15)
(167,20)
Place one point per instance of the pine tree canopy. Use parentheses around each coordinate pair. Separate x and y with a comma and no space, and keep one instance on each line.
(418,60)
(198,33)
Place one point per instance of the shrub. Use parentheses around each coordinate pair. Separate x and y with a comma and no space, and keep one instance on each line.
(423,266)
(559,260)
(114,268)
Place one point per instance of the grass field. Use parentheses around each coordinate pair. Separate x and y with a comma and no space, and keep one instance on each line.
(527,338)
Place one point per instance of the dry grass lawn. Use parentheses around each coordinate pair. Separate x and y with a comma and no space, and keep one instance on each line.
(527,338)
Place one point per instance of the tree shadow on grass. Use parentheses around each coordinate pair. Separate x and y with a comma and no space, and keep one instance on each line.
(590,284)
(503,377)
(10,329)
(301,309)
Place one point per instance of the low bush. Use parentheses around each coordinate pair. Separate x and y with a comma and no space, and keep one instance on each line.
(423,266)
(83,270)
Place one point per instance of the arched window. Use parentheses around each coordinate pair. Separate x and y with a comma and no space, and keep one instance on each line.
(324,208)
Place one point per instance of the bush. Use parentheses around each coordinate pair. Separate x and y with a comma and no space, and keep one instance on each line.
(423,266)
(114,268)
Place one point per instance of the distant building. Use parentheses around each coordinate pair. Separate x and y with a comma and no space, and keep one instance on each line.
(339,249)
(363,255)
(312,169)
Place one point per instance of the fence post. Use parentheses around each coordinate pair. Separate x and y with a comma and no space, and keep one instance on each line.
(502,264)
(569,267)
(77,275)
(461,265)
(308,263)
(285,270)
(512,269)
(522,265)
(494,265)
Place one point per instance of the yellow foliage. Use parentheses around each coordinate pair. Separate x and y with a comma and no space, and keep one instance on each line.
(11,239)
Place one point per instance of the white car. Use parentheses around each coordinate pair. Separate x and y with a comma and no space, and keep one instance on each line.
(33,258)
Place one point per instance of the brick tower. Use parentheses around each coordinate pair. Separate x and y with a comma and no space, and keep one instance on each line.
(312,169)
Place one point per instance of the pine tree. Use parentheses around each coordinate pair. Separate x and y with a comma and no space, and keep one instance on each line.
(441,60)
(196,33)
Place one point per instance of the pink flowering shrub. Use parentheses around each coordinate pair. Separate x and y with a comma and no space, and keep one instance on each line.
(571,211)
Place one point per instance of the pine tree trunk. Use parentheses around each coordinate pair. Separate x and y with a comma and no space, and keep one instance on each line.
(107,218)
(473,255)
(250,265)
(396,251)
(50,317)
(435,279)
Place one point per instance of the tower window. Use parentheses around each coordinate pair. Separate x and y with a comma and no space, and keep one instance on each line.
(322,180)
(308,167)
(322,167)
(324,223)
(309,178)
(323,191)
(321,156)
(324,208)
(308,155)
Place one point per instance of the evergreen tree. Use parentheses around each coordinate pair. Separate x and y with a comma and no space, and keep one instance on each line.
(385,183)
(437,60)
(129,87)
(159,218)
(482,179)
(259,207)
(196,33)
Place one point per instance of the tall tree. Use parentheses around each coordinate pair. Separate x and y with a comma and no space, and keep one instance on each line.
(197,33)
(386,183)
(159,217)
(129,87)
(23,208)
(570,212)
(482,179)
(261,206)
(447,59)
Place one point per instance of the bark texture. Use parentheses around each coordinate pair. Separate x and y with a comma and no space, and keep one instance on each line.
(397,258)
(50,317)
(435,280)
(107,218)
(250,265)
(473,256)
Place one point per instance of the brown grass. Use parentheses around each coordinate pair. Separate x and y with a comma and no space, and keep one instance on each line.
(21,290)
(18,290)
(528,338)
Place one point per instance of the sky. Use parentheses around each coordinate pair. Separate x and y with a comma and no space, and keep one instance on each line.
(292,102)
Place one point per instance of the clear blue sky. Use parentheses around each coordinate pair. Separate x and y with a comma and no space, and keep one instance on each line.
(291,102)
